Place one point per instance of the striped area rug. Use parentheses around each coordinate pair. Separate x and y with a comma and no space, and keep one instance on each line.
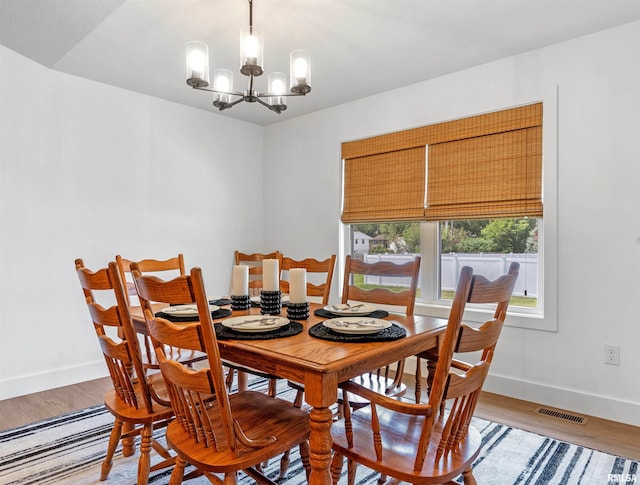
(69,449)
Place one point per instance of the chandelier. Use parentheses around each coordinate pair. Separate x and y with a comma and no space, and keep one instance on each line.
(251,62)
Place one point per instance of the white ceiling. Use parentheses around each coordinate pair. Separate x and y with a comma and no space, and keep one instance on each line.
(358,47)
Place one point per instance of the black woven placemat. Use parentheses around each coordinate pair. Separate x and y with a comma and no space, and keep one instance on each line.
(293,328)
(321,312)
(221,313)
(220,302)
(394,332)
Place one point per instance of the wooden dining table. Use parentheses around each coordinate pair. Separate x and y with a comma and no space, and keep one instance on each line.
(320,365)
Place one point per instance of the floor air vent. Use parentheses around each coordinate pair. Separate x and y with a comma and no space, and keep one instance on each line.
(562,415)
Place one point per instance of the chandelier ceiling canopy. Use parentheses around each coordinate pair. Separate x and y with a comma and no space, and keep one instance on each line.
(251,65)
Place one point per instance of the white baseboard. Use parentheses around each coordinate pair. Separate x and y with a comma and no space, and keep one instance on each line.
(28,384)
(604,407)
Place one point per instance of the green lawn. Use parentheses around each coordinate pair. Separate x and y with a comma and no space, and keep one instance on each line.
(524,301)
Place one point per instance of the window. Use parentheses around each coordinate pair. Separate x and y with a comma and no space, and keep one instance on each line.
(481,204)
(488,246)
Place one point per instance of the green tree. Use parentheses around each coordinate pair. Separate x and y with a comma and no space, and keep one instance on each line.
(368,229)
(509,235)
(451,236)
(411,236)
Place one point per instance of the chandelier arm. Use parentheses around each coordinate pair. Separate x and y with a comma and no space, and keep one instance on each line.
(224,106)
(272,108)
(211,90)
(269,95)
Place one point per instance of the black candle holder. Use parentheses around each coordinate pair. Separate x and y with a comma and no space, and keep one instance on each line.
(270,302)
(298,311)
(240,302)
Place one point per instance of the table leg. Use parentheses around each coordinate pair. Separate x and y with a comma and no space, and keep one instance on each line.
(320,444)
(243,380)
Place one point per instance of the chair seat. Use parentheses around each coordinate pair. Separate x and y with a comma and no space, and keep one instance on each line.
(259,416)
(398,430)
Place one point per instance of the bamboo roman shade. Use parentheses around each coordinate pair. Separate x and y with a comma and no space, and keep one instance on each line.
(482,167)
(385,187)
(486,177)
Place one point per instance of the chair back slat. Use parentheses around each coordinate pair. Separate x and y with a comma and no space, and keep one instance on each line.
(471,339)
(315,268)
(153,289)
(400,296)
(152,266)
(183,336)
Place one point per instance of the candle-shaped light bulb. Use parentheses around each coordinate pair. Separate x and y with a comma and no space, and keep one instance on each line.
(300,68)
(222,83)
(196,62)
(251,48)
(277,87)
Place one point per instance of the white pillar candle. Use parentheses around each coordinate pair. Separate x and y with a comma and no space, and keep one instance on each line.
(270,277)
(240,284)
(298,285)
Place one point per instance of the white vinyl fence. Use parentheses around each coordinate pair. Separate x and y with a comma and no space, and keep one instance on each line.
(491,266)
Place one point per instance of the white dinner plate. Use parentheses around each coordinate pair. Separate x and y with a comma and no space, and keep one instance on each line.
(356,325)
(255,323)
(190,310)
(283,299)
(354,310)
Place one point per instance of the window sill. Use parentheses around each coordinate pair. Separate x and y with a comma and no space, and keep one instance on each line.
(528,321)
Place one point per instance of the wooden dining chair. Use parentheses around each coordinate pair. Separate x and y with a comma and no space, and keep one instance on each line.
(150,289)
(174,264)
(319,275)
(470,339)
(425,443)
(254,262)
(130,402)
(232,432)
(395,286)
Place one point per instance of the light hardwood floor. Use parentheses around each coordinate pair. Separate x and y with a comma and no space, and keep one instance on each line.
(600,434)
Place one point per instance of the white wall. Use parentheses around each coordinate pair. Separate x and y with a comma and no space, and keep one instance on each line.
(598,81)
(88,170)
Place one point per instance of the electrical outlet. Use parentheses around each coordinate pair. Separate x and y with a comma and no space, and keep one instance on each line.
(611,354)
